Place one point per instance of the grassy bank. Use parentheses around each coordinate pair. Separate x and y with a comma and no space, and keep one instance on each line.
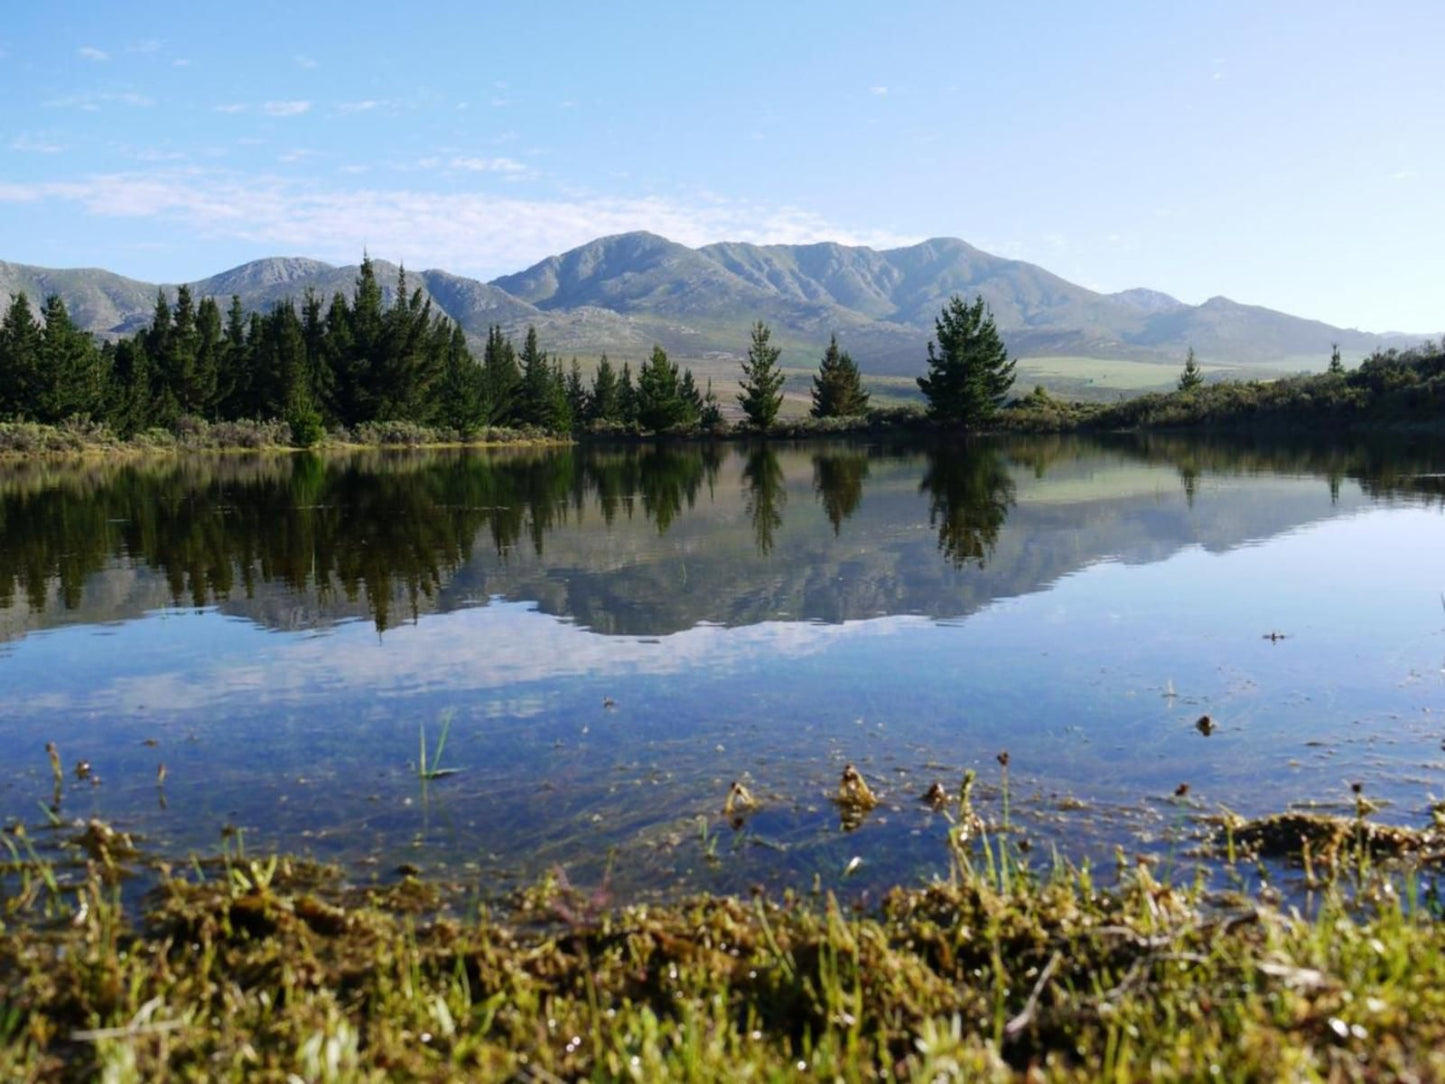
(81,437)
(277,969)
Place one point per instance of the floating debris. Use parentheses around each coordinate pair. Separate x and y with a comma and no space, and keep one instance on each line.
(854,798)
(82,769)
(936,796)
(739,800)
(1205,725)
(1275,637)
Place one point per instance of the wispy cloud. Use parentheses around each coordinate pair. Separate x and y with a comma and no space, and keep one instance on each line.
(232,107)
(146,45)
(447,230)
(286,109)
(298,154)
(90,52)
(33,145)
(91,102)
(1404,175)
(364,106)
(881,91)
(488,165)
(306,62)
(180,62)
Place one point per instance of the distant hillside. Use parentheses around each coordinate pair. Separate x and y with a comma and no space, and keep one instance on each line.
(623,293)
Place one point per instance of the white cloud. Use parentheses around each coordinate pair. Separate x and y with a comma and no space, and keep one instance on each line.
(90,52)
(488,165)
(148,45)
(306,62)
(359,107)
(298,154)
(232,107)
(286,109)
(880,91)
(180,62)
(446,230)
(92,102)
(33,145)
(1404,175)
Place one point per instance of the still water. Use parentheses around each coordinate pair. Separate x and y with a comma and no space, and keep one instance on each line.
(612,636)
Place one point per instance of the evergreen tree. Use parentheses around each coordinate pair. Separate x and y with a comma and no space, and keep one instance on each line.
(534,399)
(710,416)
(558,414)
(659,403)
(577,403)
(838,388)
(339,396)
(68,375)
(969,371)
(1191,377)
(233,368)
(19,359)
(499,366)
(1337,367)
(762,383)
(132,403)
(691,398)
(627,402)
(604,404)
(178,363)
(462,404)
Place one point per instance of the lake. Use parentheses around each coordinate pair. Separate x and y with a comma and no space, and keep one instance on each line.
(610,636)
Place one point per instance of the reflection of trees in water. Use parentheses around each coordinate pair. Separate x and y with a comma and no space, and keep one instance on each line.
(765,494)
(838,481)
(970,493)
(388,530)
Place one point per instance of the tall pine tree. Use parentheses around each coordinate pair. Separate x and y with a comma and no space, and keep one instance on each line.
(762,385)
(838,388)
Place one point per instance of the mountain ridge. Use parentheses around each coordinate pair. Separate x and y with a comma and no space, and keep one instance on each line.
(622,293)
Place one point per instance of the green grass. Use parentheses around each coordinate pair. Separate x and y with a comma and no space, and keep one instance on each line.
(236,969)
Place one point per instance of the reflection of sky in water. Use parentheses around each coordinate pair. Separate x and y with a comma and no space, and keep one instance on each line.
(309,738)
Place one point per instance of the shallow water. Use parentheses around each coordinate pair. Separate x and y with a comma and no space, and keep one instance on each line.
(617,634)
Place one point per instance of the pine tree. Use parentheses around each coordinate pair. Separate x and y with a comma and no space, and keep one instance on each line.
(535,390)
(603,404)
(762,383)
(1337,367)
(691,398)
(838,388)
(19,359)
(710,416)
(206,372)
(660,406)
(499,366)
(233,367)
(577,403)
(1191,377)
(969,371)
(461,396)
(627,403)
(67,378)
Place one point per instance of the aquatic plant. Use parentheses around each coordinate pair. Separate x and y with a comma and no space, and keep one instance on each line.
(432,769)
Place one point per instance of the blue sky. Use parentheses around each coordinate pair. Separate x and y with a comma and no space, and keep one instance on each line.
(1284,154)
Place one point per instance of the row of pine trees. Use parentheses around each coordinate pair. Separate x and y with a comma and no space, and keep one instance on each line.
(357,360)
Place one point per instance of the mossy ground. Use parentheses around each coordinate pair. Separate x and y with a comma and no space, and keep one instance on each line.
(277,969)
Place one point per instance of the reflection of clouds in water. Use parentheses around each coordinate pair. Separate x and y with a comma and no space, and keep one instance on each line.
(493,647)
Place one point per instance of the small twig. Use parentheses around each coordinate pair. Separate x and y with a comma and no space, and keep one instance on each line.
(1026,1017)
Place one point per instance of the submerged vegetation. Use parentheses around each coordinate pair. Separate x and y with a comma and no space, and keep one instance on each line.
(237,968)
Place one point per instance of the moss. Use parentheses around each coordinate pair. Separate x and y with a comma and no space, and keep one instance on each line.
(264,969)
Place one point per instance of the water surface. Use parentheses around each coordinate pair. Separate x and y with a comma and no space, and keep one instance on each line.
(617,634)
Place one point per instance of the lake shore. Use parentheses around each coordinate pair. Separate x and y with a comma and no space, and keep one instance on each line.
(257,968)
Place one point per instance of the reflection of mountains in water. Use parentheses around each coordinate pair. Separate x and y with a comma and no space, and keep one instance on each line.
(647,540)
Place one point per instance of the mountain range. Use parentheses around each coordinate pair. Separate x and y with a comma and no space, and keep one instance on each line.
(622,294)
